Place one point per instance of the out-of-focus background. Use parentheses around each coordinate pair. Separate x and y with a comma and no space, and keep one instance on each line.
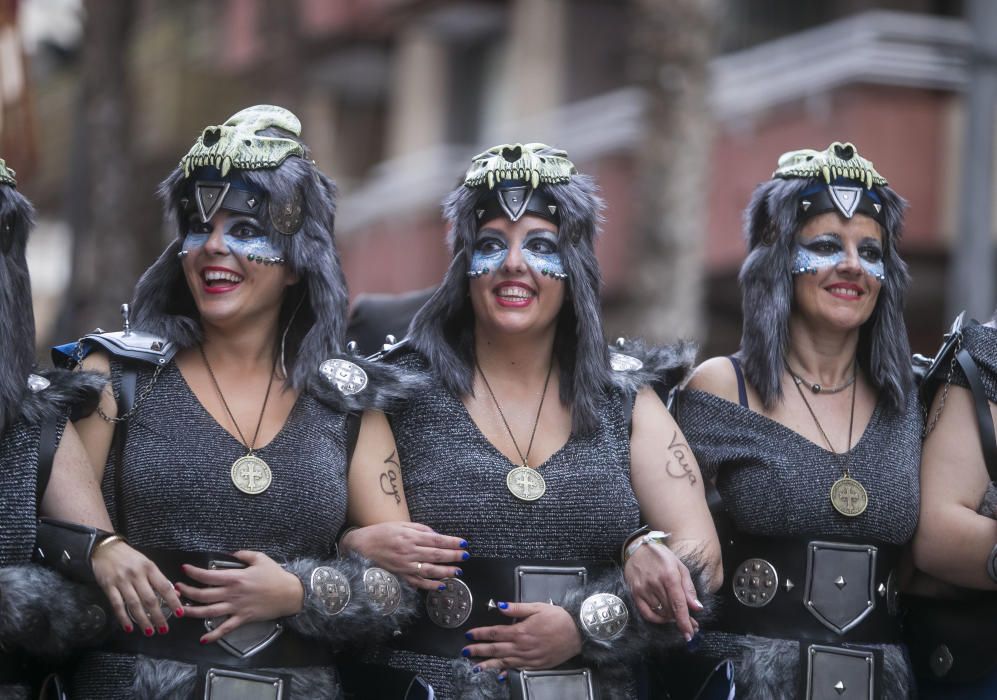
(678,107)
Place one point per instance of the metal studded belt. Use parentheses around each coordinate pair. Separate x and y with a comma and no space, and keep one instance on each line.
(828,590)
(470,601)
(260,644)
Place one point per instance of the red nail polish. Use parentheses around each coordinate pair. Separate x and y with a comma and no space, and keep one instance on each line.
(149,631)
(129,629)
(164,629)
(179,612)
(203,641)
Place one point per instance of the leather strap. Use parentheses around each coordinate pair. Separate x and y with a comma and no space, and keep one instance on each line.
(46,457)
(786,616)
(742,391)
(984,420)
(126,400)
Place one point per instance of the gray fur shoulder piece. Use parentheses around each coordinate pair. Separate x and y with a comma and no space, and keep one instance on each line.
(348,383)
(639,638)
(361,621)
(58,392)
(43,613)
(636,364)
(163,679)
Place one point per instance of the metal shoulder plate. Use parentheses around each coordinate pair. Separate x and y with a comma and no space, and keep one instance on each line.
(131,345)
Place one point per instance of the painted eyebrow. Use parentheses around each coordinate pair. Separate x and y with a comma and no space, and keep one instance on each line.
(826,234)
(541,232)
(873,241)
(489,232)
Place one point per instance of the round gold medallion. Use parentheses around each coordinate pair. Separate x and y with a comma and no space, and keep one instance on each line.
(849,497)
(251,475)
(525,484)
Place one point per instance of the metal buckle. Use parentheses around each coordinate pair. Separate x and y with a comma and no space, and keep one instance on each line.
(226,684)
(383,589)
(547,584)
(839,672)
(755,582)
(348,377)
(604,616)
(247,639)
(451,607)
(557,685)
(840,580)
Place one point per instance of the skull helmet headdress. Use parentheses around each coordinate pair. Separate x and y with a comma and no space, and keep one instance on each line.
(255,164)
(513,181)
(806,183)
(17,323)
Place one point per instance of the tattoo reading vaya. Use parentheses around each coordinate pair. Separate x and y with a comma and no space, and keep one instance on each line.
(389,479)
(679,451)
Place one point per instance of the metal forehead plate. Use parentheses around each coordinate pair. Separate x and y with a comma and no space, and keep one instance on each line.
(624,363)
(604,616)
(331,588)
(450,608)
(383,589)
(755,582)
(346,376)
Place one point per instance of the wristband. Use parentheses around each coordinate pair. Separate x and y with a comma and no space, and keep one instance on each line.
(656,536)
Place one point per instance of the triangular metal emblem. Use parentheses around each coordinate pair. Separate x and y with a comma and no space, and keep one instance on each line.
(209,197)
(877,207)
(552,209)
(805,204)
(846,199)
(513,200)
(480,213)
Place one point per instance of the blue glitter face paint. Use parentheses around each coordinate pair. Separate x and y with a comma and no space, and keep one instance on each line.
(539,251)
(489,253)
(243,236)
(827,251)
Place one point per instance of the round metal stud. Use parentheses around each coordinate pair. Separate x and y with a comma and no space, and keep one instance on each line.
(624,363)
(382,589)
(38,383)
(331,588)
(346,376)
(604,616)
(451,607)
(755,583)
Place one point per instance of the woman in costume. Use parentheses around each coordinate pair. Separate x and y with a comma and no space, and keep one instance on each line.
(542,449)
(812,437)
(952,617)
(223,452)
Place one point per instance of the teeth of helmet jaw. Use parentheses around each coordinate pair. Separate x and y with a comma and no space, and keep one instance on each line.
(535,179)
(490,177)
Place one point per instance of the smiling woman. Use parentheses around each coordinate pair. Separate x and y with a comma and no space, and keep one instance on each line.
(811,435)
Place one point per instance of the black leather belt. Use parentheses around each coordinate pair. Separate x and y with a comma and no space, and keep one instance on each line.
(772,588)
(491,580)
(12,669)
(182,642)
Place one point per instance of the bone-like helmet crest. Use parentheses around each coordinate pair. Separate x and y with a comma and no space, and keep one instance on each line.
(7,175)
(838,160)
(533,163)
(237,142)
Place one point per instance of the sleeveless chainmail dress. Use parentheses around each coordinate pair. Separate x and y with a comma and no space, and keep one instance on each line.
(775,482)
(455,483)
(178,495)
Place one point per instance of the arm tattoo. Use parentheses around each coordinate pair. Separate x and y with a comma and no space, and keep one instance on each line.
(389,478)
(679,451)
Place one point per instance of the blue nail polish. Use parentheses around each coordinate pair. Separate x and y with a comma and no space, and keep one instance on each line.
(465,653)
(476,669)
(463,544)
(465,556)
(501,679)
(503,606)
(442,587)
(469,636)
(693,644)
(459,572)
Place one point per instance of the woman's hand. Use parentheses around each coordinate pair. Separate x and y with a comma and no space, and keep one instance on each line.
(412,550)
(662,587)
(132,583)
(544,637)
(261,591)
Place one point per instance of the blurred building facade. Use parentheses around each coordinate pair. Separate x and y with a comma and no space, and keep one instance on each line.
(397,95)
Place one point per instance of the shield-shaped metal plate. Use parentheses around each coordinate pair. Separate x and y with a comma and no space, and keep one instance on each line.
(840,579)
(247,639)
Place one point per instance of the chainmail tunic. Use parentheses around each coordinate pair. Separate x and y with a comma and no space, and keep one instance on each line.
(776,482)
(178,493)
(981,342)
(455,483)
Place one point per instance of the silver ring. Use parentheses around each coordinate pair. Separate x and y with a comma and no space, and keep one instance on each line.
(659,607)
(418,567)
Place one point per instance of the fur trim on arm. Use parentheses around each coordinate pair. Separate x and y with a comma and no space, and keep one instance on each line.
(389,386)
(639,638)
(663,367)
(361,620)
(43,613)
(69,392)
